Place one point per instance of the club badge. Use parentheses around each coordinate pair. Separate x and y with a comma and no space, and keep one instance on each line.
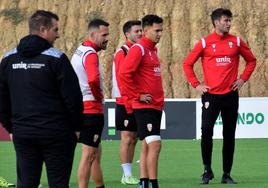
(206,105)
(214,47)
(125,122)
(149,127)
(150,54)
(230,43)
(95,138)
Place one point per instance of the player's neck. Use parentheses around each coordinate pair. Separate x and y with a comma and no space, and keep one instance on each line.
(219,32)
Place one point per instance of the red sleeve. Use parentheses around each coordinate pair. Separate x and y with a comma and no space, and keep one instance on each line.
(127,71)
(188,64)
(93,75)
(118,60)
(249,58)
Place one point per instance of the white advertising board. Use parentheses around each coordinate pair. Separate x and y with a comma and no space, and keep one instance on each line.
(252,119)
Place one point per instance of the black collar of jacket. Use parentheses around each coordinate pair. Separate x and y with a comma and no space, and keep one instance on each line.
(32,45)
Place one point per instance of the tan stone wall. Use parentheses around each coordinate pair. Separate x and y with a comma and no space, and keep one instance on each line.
(185,21)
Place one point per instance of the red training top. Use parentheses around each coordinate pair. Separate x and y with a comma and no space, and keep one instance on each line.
(118,60)
(220,60)
(140,74)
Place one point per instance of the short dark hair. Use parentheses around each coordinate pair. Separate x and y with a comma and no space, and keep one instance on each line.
(218,13)
(96,23)
(41,18)
(127,26)
(150,19)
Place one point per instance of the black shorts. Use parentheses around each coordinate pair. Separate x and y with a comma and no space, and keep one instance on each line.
(92,129)
(148,121)
(124,121)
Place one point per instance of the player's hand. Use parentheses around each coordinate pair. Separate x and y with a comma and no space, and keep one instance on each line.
(202,89)
(237,84)
(77,134)
(146,98)
(11,136)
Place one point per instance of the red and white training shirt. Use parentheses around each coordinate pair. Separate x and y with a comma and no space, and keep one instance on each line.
(117,93)
(89,71)
(220,60)
(140,73)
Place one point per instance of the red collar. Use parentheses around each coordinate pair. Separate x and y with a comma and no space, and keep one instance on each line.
(128,43)
(220,37)
(91,44)
(148,42)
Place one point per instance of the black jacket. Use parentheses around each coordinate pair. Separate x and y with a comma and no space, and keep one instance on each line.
(39,91)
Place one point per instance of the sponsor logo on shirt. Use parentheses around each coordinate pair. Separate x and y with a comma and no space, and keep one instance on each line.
(78,52)
(223,61)
(20,65)
(26,66)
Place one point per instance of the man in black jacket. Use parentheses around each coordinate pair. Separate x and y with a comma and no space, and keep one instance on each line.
(41,104)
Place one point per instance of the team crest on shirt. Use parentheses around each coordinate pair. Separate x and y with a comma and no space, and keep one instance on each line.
(126,122)
(150,54)
(157,71)
(206,105)
(230,43)
(214,47)
(95,138)
(149,127)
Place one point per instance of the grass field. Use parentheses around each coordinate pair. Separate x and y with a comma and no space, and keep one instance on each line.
(180,164)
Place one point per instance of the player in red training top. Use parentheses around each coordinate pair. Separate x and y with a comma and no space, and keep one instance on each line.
(88,69)
(125,120)
(141,81)
(219,54)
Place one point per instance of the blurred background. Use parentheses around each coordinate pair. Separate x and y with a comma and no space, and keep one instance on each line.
(185,22)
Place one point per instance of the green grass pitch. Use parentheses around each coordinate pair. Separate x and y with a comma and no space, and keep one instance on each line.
(180,164)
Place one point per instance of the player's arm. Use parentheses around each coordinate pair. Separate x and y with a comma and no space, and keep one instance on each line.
(5,104)
(127,72)
(250,60)
(188,64)
(188,68)
(93,75)
(118,61)
(249,68)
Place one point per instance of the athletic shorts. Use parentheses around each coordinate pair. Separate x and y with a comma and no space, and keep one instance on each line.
(148,122)
(92,129)
(124,121)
